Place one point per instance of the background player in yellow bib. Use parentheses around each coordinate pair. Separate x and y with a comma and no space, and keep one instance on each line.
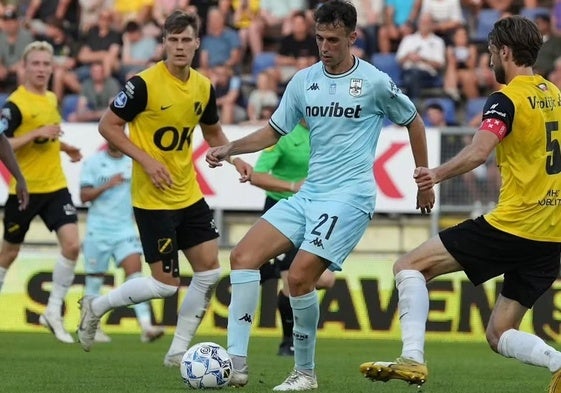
(162,106)
(520,238)
(31,121)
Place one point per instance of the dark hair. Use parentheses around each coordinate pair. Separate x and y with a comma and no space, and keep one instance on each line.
(434,105)
(132,26)
(521,35)
(337,12)
(179,20)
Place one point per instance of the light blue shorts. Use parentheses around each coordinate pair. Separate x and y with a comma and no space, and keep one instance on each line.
(98,252)
(328,229)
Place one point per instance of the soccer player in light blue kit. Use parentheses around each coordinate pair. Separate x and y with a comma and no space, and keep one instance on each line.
(344,100)
(111,230)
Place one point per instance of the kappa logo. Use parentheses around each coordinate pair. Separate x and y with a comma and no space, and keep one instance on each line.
(317,242)
(314,86)
(245,318)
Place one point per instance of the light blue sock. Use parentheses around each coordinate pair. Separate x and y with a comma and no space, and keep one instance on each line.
(93,285)
(306,317)
(245,294)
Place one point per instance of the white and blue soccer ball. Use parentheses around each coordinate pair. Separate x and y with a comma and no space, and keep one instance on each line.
(206,366)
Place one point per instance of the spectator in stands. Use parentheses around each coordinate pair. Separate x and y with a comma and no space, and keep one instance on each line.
(422,57)
(297,50)
(369,18)
(97,93)
(461,60)
(139,50)
(64,65)
(447,16)
(556,17)
(551,48)
(127,10)
(161,9)
(263,97)
(246,21)
(100,44)
(13,40)
(220,46)
(38,12)
(90,11)
(229,99)
(275,16)
(555,75)
(400,18)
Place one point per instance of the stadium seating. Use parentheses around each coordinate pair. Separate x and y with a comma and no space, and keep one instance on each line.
(3,98)
(448,106)
(531,13)
(388,63)
(485,21)
(69,105)
(262,62)
(474,106)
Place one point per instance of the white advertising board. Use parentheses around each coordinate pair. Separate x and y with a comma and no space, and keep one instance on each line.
(393,169)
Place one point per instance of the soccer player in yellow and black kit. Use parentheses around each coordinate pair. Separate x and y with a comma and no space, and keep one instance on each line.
(31,121)
(162,106)
(520,238)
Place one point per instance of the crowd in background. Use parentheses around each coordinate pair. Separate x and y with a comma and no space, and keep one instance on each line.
(251,48)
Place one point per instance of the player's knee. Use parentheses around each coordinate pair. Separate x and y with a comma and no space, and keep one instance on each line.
(71,249)
(239,259)
(299,284)
(161,289)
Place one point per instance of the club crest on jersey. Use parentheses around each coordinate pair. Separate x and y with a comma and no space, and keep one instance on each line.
(120,100)
(355,89)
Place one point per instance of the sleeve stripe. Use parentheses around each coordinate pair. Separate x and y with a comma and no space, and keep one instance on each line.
(277,128)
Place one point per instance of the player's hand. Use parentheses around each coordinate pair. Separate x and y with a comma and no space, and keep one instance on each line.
(424,177)
(158,173)
(22,193)
(215,155)
(425,200)
(48,132)
(74,153)
(244,169)
(115,180)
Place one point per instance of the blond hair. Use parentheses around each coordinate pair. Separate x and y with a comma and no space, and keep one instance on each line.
(37,46)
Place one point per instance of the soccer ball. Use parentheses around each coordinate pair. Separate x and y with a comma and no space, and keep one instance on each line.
(206,365)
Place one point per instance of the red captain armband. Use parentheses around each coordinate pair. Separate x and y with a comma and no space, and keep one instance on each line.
(496,126)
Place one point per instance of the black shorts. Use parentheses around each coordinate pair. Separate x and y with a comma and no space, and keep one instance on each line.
(164,232)
(282,262)
(530,267)
(55,209)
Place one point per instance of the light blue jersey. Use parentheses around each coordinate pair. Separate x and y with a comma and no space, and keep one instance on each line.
(110,215)
(345,113)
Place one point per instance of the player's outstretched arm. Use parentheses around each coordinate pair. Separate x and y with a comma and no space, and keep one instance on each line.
(417,137)
(258,140)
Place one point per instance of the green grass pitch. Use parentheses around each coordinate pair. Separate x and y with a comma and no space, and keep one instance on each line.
(35,362)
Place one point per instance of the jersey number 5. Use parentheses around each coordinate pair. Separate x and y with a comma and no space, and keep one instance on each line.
(553,163)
